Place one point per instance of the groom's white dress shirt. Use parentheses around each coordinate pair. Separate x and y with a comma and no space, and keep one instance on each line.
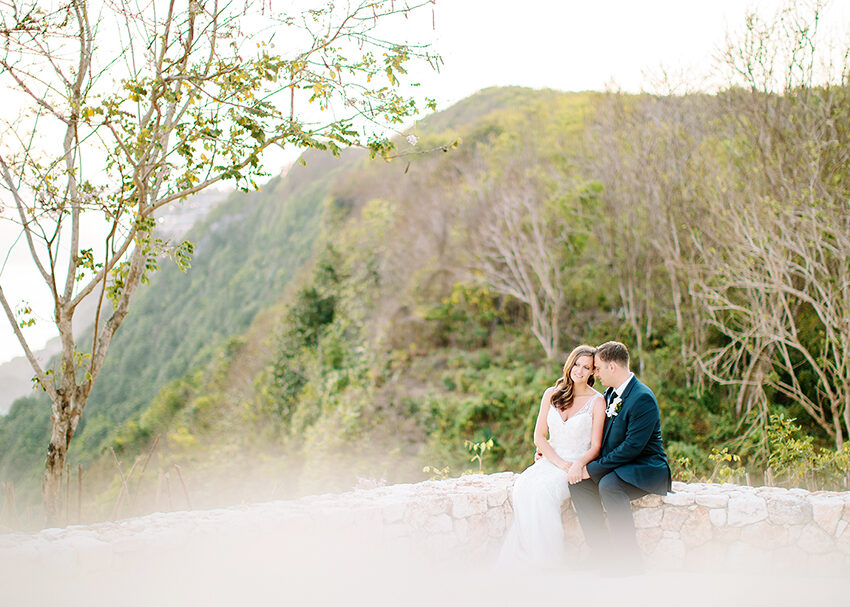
(619,391)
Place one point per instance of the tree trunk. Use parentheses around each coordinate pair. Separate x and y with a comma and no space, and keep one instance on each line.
(64,425)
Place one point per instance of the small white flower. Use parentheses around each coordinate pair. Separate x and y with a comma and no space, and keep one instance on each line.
(614,408)
(412,139)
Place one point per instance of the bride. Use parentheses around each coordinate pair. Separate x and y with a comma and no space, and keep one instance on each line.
(572,415)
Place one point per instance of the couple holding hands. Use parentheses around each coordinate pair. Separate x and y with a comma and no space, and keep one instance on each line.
(602,449)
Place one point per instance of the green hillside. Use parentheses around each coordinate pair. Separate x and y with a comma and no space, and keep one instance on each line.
(246,252)
(366,319)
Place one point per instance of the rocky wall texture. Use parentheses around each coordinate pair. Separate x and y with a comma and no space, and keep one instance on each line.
(727,526)
(698,526)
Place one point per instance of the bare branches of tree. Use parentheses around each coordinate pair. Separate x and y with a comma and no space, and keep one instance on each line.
(740,200)
(776,276)
(519,241)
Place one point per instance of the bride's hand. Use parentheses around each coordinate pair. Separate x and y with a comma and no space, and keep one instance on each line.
(574,474)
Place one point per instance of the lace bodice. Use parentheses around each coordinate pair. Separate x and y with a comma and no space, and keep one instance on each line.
(571,438)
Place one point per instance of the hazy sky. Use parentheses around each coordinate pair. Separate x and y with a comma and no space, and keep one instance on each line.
(571,45)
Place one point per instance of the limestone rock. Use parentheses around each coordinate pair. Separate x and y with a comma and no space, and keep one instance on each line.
(437,505)
(711,500)
(573,534)
(647,501)
(765,535)
(678,499)
(495,523)
(827,511)
(773,492)
(416,515)
(474,503)
(842,540)
(648,517)
(479,528)
(647,538)
(674,518)
(697,529)
(717,517)
(497,498)
(788,509)
(726,535)
(814,539)
(745,510)
(439,524)
(461,530)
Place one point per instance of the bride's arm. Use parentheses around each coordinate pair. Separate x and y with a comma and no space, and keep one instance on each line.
(576,471)
(541,432)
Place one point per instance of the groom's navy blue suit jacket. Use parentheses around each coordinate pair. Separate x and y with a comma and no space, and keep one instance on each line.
(631,443)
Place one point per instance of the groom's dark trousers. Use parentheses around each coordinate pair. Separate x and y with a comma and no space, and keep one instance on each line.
(631,464)
(615,495)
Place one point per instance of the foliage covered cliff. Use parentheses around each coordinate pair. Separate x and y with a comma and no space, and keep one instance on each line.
(360,318)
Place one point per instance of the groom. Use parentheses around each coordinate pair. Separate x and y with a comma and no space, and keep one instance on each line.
(631,463)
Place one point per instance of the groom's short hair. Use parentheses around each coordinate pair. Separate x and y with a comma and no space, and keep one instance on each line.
(614,351)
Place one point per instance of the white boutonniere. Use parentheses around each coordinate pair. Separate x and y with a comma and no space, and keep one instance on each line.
(614,408)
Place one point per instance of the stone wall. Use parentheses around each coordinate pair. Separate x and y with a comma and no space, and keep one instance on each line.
(727,526)
(697,526)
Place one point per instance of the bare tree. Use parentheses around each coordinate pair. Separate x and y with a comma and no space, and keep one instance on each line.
(640,150)
(775,279)
(519,240)
(127,107)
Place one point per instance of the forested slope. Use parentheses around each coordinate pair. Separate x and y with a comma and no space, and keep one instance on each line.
(365,319)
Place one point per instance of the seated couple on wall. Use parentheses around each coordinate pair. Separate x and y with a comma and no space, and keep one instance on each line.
(602,449)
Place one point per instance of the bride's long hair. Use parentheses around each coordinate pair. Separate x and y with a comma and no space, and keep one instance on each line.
(564,392)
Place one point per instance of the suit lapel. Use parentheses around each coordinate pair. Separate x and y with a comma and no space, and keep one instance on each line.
(609,421)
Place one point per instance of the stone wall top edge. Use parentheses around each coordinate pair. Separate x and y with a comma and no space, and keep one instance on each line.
(386,495)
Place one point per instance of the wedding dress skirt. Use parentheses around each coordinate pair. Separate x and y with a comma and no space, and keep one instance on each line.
(536,536)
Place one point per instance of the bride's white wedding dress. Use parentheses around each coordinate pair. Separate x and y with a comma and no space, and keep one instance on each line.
(536,536)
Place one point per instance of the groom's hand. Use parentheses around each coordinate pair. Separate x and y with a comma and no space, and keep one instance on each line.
(574,474)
